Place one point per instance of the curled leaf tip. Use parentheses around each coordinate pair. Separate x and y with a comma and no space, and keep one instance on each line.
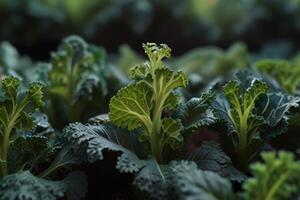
(156,51)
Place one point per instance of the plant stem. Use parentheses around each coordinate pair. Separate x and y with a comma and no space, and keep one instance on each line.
(72,117)
(156,128)
(243,150)
(4,150)
(154,141)
(12,119)
(243,137)
(5,144)
(278,184)
(159,100)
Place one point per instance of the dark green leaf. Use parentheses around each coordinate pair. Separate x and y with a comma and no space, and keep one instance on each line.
(195,113)
(24,186)
(209,156)
(90,141)
(195,184)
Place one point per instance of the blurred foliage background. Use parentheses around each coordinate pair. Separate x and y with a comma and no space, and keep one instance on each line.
(36,27)
(210,39)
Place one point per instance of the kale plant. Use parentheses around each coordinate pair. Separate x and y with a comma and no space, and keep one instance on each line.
(79,82)
(253,114)
(286,74)
(16,113)
(147,125)
(140,105)
(27,148)
(146,128)
(276,177)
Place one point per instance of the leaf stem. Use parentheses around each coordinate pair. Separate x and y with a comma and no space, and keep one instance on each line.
(156,128)
(243,151)
(159,95)
(5,142)
(11,120)
(277,185)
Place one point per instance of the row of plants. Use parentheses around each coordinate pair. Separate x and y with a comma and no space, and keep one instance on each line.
(217,125)
(195,22)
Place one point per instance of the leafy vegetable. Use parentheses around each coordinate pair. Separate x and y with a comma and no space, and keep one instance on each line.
(252,114)
(209,156)
(27,147)
(140,105)
(16,113)
(89,142)
(286,74)
(24,185)
(78,81)
(196,112)
(192,183)
(151,124)
(277,177)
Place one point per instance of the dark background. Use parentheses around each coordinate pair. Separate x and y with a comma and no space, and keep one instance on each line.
(36,27)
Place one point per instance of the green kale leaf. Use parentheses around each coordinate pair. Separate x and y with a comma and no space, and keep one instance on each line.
(193,183)
(16,112)
(141,104)
(285,73)
(252,113)
(23,185)
(276,178)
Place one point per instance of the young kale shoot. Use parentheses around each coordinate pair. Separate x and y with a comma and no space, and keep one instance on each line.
(16,113)
(140,105)
(76,76)
(244,122)
(285,73)
(253,114)
(276,177)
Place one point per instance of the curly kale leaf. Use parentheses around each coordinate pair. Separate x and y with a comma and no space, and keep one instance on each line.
(141,104)
(72,61)
(192,183)
(274,108)
(285,73)
(23,186)
(171,133)
(184,180)
(26,151)
(196,113)
(156,181)
(209,156)
(181,180)
(78,81)
(31,148)
(276,178)
(252,113)
(131,107)
(16,113)
(88,142)
(236,105)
